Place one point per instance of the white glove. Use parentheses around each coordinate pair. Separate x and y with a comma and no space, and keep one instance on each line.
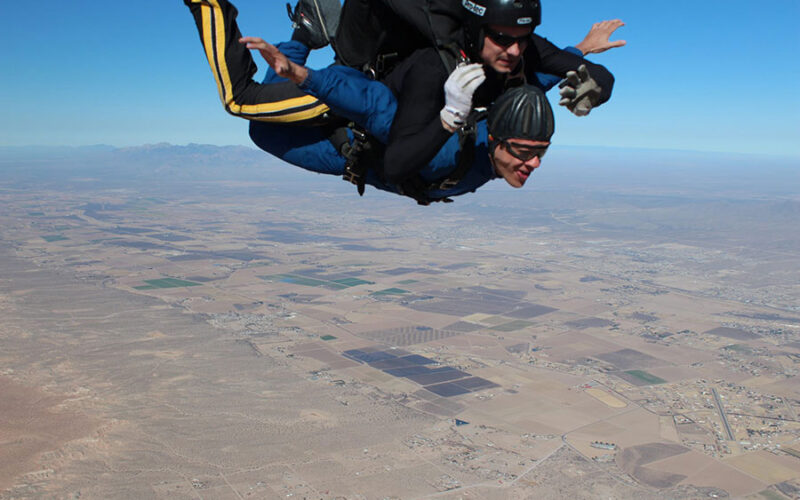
(458,90)
(579,91)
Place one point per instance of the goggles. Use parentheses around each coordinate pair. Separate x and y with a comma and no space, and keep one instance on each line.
(524,153)
(507,40)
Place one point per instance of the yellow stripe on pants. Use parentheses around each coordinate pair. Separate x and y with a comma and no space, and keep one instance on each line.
(280,111)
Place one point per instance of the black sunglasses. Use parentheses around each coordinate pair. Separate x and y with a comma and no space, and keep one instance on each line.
(506,40)
(525,153)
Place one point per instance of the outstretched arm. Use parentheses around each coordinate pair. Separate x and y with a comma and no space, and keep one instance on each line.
(544,57)
(276,100)
(279,63)
(348,92)
(597,40)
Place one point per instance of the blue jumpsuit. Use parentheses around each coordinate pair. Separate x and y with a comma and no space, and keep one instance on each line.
(370,104)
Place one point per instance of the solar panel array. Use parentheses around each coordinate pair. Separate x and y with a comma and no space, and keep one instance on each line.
(409,335)
(444,381)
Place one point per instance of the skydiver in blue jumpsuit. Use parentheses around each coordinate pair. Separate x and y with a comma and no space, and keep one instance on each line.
(350,94)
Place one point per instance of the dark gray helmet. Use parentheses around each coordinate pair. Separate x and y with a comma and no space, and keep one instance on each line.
(480,13)
(521,113)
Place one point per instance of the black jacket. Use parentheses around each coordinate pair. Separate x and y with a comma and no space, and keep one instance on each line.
(417,133)
(372,27)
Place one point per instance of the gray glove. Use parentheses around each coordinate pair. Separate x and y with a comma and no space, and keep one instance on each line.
(579,92)
(458,90)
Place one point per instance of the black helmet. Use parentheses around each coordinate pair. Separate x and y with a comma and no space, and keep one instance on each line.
(479,13)
(521,113)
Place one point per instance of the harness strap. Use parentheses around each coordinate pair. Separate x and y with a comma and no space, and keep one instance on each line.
(418,188)
(358,154)
(355,170)
(467,136)
(380,68)
(451,55)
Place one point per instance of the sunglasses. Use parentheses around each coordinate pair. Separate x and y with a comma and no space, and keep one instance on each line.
(524,153)
(506,40)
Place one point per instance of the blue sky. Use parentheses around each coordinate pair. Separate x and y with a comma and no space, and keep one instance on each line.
(709,76)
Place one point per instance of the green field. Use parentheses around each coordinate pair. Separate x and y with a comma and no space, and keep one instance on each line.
(391,291)
(771,495)
(295,279)
(166,283)
(353,282)
(512,326)
(54,237)
(303,281)
(646,377)
(407,282)
(36,214)
(328,337)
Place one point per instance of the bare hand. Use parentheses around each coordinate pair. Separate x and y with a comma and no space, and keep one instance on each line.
(278,62)
(597,40)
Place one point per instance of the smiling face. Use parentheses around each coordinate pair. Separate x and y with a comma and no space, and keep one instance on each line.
(515,159)
(503,46)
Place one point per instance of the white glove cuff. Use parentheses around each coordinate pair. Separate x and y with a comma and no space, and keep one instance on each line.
(452,117)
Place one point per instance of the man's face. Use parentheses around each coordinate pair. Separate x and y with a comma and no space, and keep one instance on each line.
(515,159)
(503,46)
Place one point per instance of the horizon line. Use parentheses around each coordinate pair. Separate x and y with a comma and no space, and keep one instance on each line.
(247,146)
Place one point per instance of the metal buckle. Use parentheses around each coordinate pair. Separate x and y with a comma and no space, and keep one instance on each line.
(447,184)
(351,175)
(381,62)
(358,136)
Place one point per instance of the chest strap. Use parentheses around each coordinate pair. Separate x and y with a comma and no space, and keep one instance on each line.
(467,137)
(418,188)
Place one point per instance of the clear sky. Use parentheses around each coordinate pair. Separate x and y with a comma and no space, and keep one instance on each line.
(712,76)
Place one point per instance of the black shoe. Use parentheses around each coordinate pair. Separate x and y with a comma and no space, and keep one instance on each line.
(315,21)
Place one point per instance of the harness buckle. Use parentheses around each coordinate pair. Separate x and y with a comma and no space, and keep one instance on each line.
(350,174)
(355,170)
(382,62)
(448,184)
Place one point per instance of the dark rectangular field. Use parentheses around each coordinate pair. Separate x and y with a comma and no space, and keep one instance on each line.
(362,356)
(475,383)
(463,326)
(581,324)
(392,363)
(732,333)
(447,390)
(530,311)
(438,375)
(409,371)
(419,360)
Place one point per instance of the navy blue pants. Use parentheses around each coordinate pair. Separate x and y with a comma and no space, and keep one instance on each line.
(348,93)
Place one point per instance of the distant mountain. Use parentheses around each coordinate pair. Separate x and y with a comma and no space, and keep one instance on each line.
(147,163)
(11,153)
(161,153)
(168,155)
